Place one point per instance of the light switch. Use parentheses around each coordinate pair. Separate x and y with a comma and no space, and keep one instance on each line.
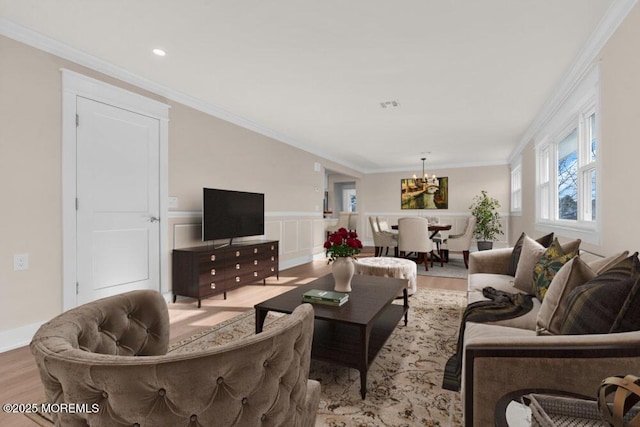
(173,202)
(20,262)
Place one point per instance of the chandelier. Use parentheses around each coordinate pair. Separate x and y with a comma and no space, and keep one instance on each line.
(425,180)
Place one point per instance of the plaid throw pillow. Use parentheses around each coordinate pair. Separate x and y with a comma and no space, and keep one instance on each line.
(573,274)
(605,303)
(629,317)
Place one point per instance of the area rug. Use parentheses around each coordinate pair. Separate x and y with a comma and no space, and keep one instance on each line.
(404,381)
(454,269)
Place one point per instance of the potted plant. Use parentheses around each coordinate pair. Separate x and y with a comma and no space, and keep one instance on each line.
(341,247)
(488,226)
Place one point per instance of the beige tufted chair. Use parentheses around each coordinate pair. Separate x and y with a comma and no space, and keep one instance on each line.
(112,352)
(382,240)
(459,242)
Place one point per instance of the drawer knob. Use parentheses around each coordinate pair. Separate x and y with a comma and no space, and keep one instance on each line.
(255,250)
(273,269)
(213,271)
(213,257)
(237,266)
(272,247)
(237,253)
(255,262)
(255,274)
(237,279)
(273,258)
(213,286)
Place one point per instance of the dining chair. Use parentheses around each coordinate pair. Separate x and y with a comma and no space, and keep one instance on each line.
(353,221)
(413,236)
(383,225)
(382,240)
(459,242)
(343,222)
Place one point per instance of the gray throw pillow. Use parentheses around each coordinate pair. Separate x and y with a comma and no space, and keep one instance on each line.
(517,250)
(531,253)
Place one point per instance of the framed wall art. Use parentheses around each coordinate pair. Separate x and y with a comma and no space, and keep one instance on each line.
(415,194)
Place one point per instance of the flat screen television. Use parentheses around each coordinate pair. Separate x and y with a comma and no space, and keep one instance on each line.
(228,214)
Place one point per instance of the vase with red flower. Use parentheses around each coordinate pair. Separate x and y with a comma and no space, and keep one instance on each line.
(342,246)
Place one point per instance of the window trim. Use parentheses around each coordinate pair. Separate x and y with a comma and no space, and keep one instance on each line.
(573,114)
(516,187)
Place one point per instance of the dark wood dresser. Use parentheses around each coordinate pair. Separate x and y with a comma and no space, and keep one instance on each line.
(204,271)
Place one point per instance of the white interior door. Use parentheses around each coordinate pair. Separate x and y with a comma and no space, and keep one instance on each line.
(118,202)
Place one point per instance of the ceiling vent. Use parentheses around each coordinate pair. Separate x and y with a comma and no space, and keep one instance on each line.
(390,104)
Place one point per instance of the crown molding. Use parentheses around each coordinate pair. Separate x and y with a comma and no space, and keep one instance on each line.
(614,16)
(39,41)
(441,166)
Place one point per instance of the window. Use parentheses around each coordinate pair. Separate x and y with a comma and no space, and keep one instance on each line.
(516,187)
(567,174)
(567,167)
(349,202)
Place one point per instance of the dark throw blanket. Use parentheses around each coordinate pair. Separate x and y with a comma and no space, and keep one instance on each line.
(501,306)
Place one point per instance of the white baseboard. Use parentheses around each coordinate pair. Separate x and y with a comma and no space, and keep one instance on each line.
(18,337)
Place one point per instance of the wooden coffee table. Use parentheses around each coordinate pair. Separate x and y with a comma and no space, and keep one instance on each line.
(353,334)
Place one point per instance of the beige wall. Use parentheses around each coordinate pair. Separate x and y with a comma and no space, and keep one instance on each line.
(30,173)
(620,146)
(620,130)
(205,151)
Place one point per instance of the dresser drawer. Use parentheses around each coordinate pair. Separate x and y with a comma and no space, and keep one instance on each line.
(212,287)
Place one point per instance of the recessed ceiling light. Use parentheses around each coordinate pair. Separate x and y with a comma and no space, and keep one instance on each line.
(393,103)
(159,52)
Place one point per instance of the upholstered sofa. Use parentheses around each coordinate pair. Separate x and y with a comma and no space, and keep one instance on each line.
(520,354)
(110,358)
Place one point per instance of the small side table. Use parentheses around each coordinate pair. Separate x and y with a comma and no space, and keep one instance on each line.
(398,268)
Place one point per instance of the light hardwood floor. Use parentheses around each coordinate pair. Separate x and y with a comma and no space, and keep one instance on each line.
(20,382)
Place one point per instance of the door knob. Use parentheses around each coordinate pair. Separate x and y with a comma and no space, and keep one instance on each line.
(154,219)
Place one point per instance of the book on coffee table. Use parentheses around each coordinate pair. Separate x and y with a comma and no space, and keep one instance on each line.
(324,302)
(325,297)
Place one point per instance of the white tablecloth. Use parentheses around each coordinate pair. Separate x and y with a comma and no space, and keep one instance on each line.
(397,268)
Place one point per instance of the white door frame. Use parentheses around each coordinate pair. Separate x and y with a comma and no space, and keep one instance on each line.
(74,85)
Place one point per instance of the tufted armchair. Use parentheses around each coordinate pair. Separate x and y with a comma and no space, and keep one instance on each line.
(112,352)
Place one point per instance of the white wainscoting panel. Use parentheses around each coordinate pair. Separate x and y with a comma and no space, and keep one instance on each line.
(305,240)
(187,235)
(273,231)
(290,237)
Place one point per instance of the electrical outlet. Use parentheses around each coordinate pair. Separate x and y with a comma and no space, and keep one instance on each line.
(20,262)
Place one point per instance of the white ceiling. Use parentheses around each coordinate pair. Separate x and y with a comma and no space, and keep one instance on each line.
(470,76)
